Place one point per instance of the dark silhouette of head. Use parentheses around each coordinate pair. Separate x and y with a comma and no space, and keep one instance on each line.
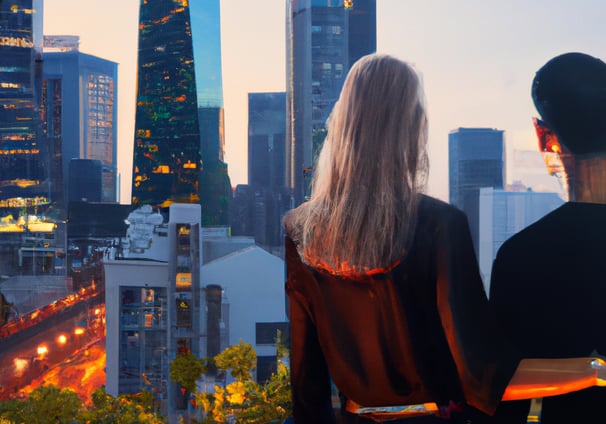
(569,92)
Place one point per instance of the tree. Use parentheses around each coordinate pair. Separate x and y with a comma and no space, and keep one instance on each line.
(244,401)
(240,358)
(45,405)
(186,369)
(124,409)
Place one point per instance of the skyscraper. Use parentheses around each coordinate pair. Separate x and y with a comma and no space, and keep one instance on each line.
(178,153)
(79,95)
(266,128)
(476,159)
(257,209)
(24,157)
(166,159)
(215,186)
(324,38)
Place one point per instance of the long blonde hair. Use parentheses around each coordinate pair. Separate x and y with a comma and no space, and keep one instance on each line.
(369,174)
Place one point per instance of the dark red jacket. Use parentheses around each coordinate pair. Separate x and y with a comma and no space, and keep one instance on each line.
(421,332)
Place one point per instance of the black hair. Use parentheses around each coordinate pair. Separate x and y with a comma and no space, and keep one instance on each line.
(569,92)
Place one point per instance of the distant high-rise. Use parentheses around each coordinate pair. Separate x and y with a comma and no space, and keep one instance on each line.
(476,159)
(323,39)
(24,155)
(85,181)
(266,139)
(179,136)
(257,208)
(79,98)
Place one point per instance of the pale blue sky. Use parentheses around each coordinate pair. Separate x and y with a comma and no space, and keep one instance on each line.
(477,59)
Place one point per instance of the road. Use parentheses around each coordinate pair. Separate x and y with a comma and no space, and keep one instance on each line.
(28,354)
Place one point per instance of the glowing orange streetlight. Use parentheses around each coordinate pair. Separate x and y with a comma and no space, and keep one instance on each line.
(42,350)
(62,339)
(78,331)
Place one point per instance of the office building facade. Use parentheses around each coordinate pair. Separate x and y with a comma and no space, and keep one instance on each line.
(257,208)
(79,109)
(24,156)
(257,211)
(163,299)
(266,139)
(215,185)
(323,39)
(476,159)
(166,157)
(85,183)
(153,309)
(179,135)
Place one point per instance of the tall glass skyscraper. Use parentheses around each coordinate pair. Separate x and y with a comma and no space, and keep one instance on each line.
(24,173)
(166,159)
(215,186)
(324,38)
(476,159)
(79,95)
(179,137)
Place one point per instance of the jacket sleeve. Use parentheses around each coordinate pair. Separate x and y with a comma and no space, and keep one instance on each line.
(310,379)
(485,361)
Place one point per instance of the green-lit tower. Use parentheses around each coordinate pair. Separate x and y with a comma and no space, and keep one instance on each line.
(178,151)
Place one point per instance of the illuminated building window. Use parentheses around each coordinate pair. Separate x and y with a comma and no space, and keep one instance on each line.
(162,169)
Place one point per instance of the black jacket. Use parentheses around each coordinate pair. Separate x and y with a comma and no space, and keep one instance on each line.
(548,288)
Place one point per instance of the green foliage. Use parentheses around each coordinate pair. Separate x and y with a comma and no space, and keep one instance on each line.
(186,369)
(51,405)
(241,359)
(124,409)
(244,401)
(45,405)
(11,410)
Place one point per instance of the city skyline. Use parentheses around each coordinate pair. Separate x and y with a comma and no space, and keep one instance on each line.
(477,61)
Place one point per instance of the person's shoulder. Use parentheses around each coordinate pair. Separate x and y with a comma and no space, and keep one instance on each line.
(291,222)
(539,231)
(288,222)
(433,208)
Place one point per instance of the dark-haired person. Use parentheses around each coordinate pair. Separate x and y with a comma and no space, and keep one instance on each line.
(385,294)
(548,284)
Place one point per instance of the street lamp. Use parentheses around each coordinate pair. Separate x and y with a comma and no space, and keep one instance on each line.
(41,351)
(62,339)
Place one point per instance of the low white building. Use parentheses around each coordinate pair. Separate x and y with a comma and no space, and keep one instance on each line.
(253,287)
(140,323)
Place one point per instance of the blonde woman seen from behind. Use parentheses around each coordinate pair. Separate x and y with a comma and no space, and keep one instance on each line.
(385,296)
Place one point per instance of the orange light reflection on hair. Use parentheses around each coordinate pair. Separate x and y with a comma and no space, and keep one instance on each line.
(348,271)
